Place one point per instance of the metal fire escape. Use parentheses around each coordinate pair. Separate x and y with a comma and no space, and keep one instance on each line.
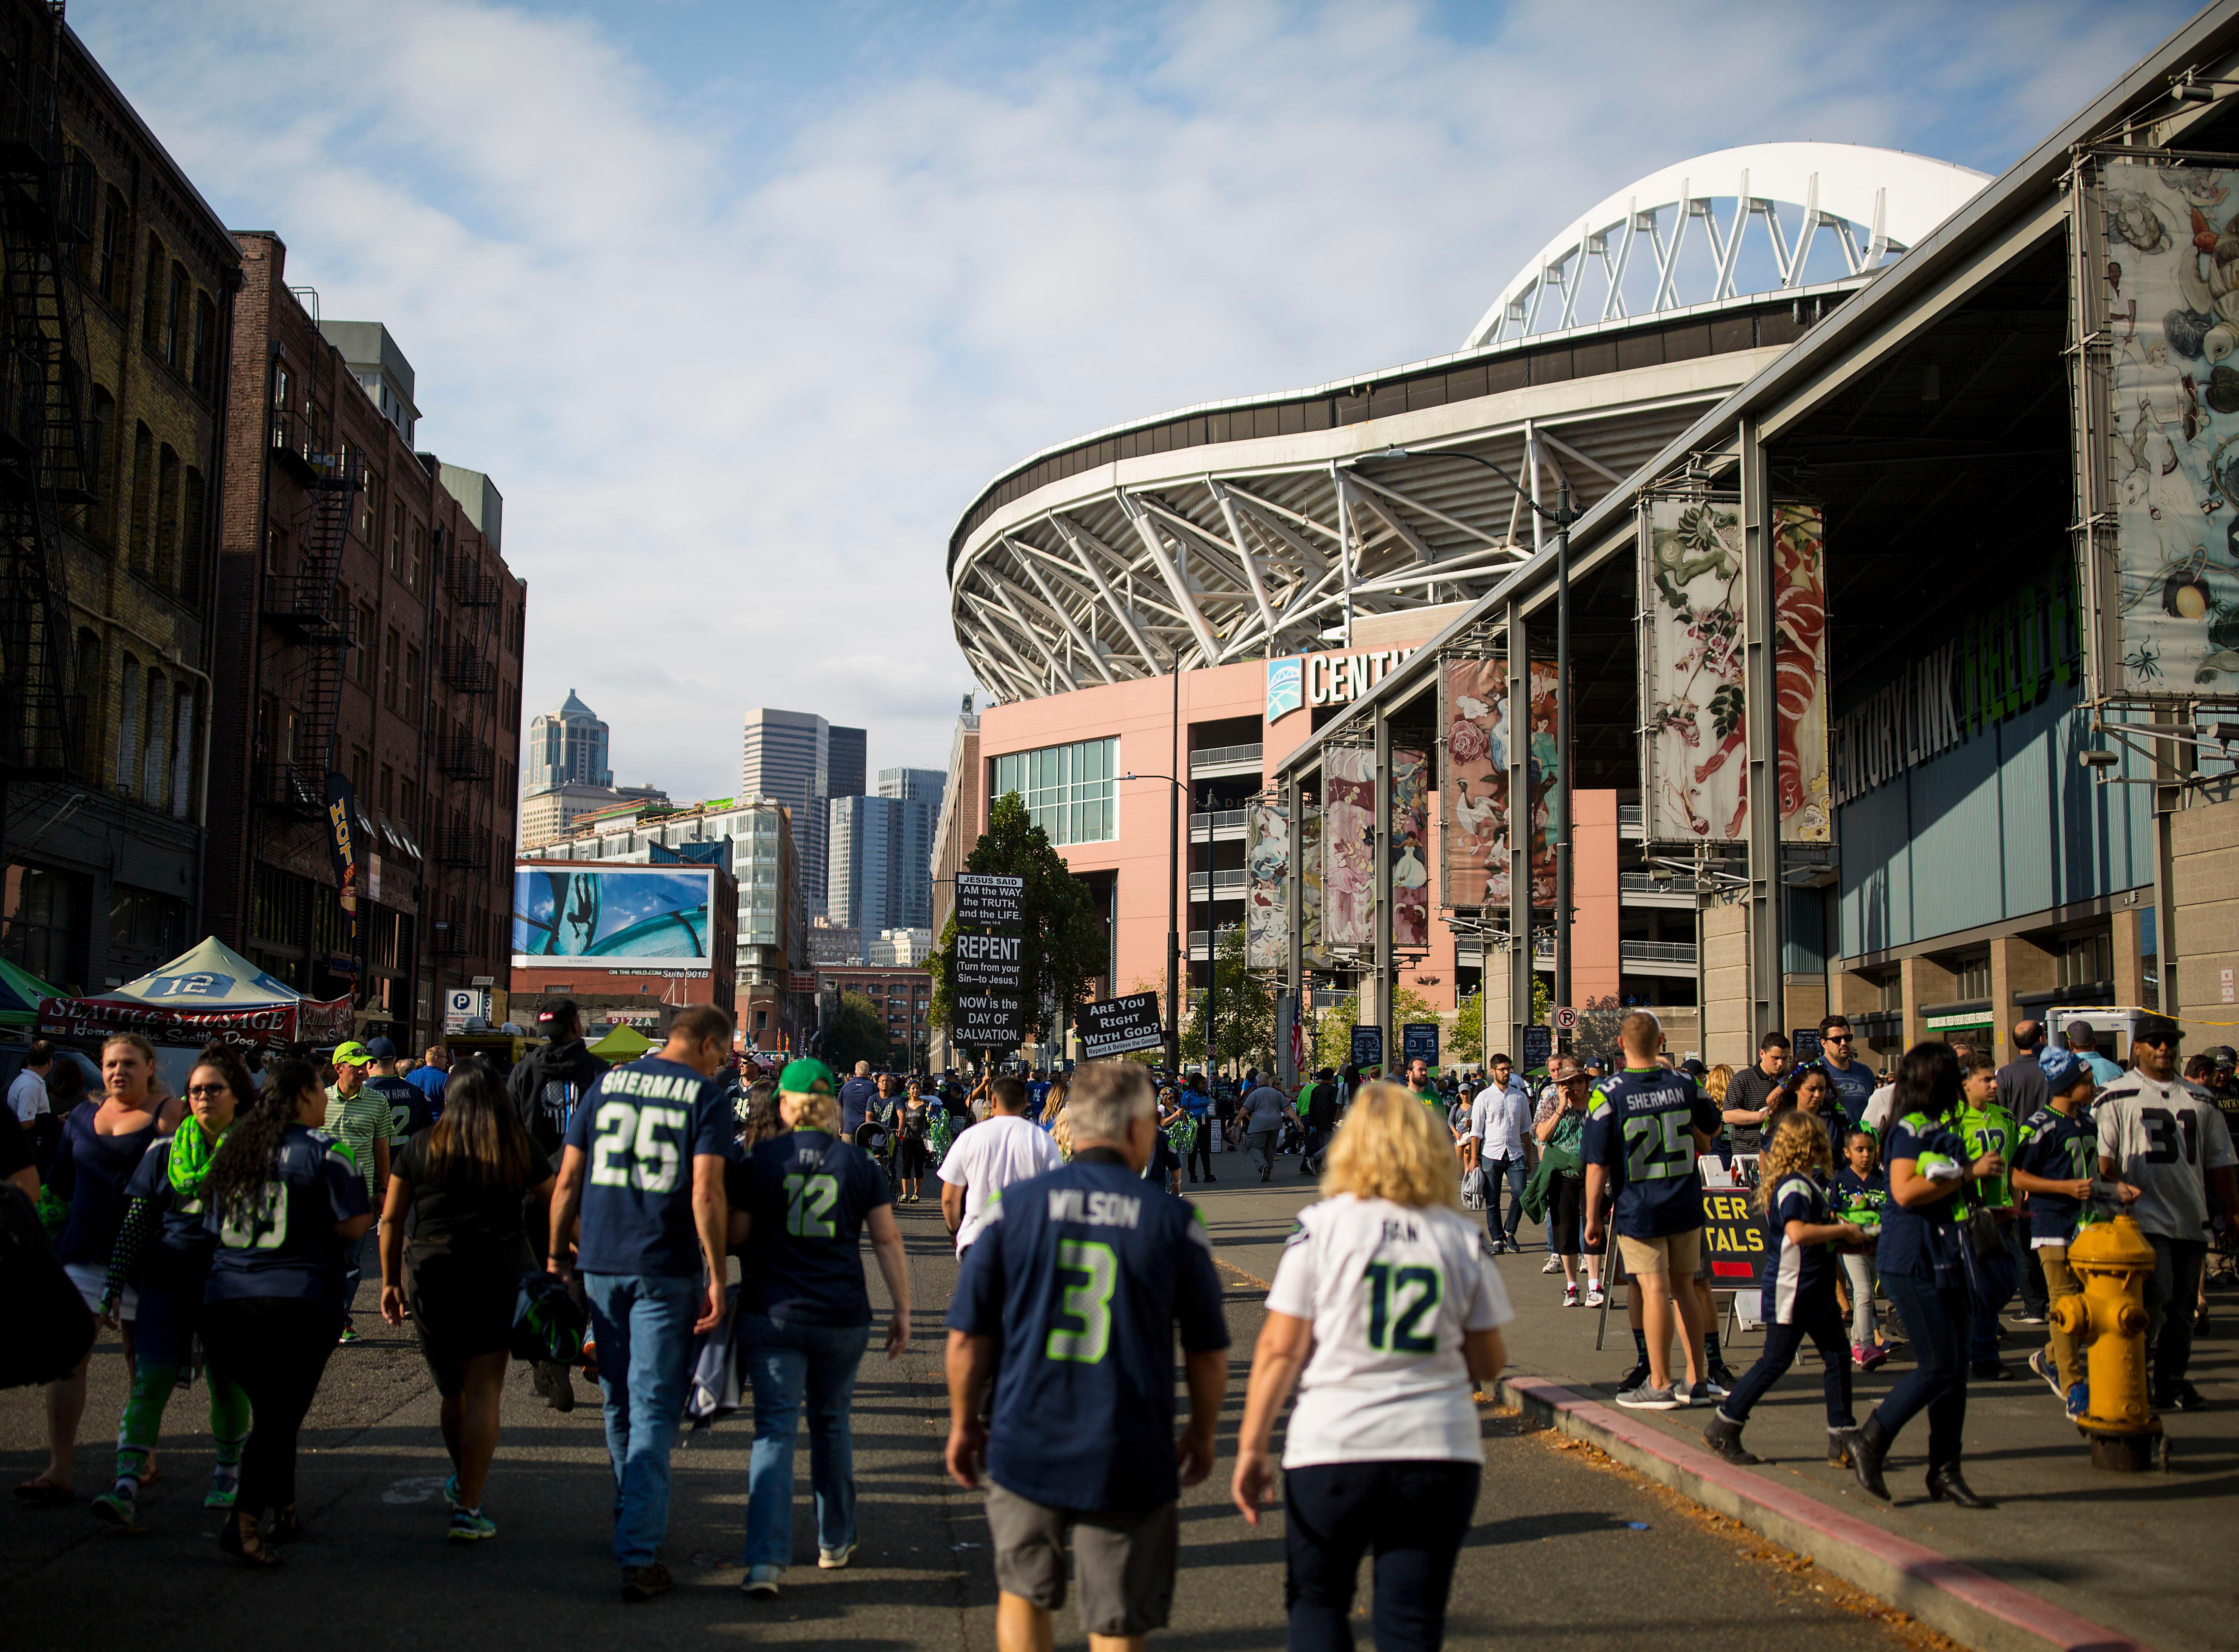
(306,608)
(45,202)
(466,751)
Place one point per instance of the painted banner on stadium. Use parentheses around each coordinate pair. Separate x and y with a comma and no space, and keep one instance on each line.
(1311,944)
(1473,858)
(1267,908)
(2162,429)
(1349,847)
(1410,852)
(1694,745)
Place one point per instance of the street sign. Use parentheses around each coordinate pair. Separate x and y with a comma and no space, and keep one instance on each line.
(1419,1041)
(1566,1018)
(990,901)
(800,979)
(1368,1046)
(1114,1026)
(463,1004)
(988,991)
(1539,1046)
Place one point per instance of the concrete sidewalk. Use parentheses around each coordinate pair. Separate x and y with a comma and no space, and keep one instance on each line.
(2072,1556)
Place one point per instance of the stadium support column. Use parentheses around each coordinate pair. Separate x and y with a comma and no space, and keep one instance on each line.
(1767,1008)
(1519,837)
(1380,879)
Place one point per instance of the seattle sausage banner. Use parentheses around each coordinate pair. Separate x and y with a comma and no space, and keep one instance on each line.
(1268,926)
(1695,755)
(1410,873)
(2169,308)
(1349,847)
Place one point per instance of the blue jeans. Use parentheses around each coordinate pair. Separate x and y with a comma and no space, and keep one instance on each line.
(643,1324)
(1997,1277)
(795,1368)
(1940,1320)
(1512,1172)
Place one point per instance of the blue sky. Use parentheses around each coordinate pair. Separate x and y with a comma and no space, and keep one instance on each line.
(741,304)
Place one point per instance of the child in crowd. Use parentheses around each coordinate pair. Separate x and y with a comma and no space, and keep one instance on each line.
(1862,1188)
(1799,1286)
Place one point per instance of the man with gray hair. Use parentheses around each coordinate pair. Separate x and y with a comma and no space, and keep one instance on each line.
(1072,1293)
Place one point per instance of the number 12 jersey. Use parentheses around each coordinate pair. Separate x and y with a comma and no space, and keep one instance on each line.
(1391,1290)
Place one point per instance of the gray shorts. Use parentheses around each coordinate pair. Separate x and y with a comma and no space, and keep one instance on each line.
(1124,1558)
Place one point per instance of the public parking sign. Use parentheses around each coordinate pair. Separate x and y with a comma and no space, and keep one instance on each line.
(989,901)
(1114,1026)
(1419,1041)
(1368,1046)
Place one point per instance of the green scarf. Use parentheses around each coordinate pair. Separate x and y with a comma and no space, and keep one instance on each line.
(192,1150)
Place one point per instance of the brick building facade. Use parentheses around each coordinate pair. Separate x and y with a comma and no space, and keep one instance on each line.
(373,630)
(103,845)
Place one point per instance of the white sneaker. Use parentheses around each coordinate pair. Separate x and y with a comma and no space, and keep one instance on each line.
(1595,1296)
(1554,1265)
(833,1560)
(1570,1295)
(761,1581)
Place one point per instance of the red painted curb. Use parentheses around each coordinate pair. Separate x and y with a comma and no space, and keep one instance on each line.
(1976,1589)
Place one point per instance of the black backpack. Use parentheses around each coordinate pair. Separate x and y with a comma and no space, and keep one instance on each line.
(50,1328)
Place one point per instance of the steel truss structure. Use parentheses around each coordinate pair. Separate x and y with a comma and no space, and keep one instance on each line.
(1267,546)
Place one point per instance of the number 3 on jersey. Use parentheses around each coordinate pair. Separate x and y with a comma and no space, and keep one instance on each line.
(1097,1268)
(1394,1315)
(626,1131)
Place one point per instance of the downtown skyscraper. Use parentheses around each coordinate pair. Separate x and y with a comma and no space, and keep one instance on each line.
(803,761)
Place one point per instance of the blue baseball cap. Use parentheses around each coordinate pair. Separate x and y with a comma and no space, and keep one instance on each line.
(2061,1069)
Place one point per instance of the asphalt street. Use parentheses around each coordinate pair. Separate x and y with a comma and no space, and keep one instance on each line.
(1567,1550)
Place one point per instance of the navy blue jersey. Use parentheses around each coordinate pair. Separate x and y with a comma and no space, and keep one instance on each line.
(287,1245)
(1923,1243)
(1799,1284)
(2059,1148)
(179,1254)
(640,1128)
(1082,1275)
(857,1098)
(809,1195)
(1641,1127)
(408,1111)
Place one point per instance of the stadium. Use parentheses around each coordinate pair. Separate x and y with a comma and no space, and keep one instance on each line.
(1165,599)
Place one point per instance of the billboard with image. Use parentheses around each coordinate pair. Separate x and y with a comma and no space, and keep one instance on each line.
(626,919)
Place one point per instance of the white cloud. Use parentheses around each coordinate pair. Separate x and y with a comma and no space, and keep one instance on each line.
(736,399)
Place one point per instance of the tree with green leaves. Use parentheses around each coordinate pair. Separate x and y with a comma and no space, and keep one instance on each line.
(1333,1039)
(1469,1027)
(1064,947)
(857,1033)
(1243,1011)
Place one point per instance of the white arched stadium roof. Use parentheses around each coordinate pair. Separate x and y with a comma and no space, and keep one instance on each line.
(1898,198)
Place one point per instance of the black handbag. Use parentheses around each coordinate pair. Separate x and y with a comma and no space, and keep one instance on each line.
(50,1328)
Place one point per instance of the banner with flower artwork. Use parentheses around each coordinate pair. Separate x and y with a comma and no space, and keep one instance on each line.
(1266,910)
(1410,853)
(1349,847)
(1311,946)
(1474,833)
(1695,748)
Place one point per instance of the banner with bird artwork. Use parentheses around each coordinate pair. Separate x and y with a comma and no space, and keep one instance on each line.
(1410,853)
(1349,847)
(1694,745)
(2165,372)
(1473,858)
(1266,902)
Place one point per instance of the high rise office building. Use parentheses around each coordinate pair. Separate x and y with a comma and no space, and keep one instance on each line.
(802,761)
(567,747)
(880,865)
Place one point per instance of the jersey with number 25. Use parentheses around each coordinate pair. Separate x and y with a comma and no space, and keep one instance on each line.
(640,1129)
(1082,1277)
(1641,1127)
(1391,1291)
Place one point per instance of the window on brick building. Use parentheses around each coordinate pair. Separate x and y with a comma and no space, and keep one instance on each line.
(193,559)
(182,753)
(166,570)
(392,685)
(368,644)
(361,772)
(408,805)
(177,297)
(108,273)
(151,296)
(268,726)
(396,542)
(412,684)
(275,550)
(143,503)
(203,373)
(128,727)
(388,789)
(155,757)
(419,559)
(101,413)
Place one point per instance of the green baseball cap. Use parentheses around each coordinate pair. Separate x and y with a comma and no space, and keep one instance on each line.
(352,1053)
(807,1077)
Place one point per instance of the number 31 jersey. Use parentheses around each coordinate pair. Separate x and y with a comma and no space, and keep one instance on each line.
(1391,1290)
(2165,1138)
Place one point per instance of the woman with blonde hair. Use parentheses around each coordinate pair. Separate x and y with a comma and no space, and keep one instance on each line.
(1799,1285)
(1385,1312)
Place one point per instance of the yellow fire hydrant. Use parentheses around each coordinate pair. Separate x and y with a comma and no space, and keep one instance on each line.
(2109,1322)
